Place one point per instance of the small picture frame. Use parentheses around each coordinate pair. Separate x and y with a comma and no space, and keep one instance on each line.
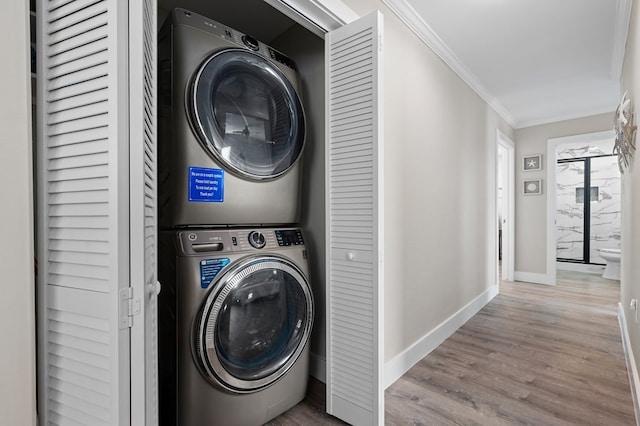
(532,162)
(532,187)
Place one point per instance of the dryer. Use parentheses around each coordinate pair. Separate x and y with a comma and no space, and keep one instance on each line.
(231,127)
(236,312)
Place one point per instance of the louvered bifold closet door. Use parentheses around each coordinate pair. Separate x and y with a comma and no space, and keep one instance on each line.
(83,210)
(355,392)
(144,268)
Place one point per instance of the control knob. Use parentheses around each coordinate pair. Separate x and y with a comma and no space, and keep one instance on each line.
(250,42)
(257,240)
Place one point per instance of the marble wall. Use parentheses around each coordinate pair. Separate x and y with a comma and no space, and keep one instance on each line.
(570,214)
(605,202)
(605,213)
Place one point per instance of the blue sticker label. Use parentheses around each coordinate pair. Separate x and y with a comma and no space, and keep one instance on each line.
(206,185)
(210,268)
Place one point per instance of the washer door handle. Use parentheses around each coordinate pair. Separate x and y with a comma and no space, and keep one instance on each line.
(203,247)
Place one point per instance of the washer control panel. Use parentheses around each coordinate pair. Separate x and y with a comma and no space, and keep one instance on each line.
(257,239)
(201,241)
(289,237)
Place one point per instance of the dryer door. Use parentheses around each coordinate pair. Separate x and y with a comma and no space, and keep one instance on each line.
(247,114)
(254,324)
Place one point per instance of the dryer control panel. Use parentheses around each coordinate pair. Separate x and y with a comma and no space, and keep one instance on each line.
(185,17)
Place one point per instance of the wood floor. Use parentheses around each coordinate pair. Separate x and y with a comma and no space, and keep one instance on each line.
(536,355)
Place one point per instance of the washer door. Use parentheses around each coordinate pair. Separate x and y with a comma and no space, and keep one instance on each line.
(254,324)
(247,114)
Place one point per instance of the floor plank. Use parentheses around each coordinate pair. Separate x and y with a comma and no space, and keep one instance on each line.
(535,355)
(311,411)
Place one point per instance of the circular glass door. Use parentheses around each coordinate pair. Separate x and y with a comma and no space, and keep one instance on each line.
(247,114)
(254,324)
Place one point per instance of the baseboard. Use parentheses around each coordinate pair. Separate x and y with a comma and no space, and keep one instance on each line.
(395,368)
(632,370)
(531,277)
(318,367)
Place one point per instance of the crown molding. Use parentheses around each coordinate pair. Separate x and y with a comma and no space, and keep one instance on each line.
(566,117)
(621,28)
(411,19)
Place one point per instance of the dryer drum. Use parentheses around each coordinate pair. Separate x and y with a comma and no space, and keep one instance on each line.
(254,324)
(247,114)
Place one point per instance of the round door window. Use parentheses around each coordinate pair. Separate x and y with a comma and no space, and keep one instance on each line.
(255,323)
(247,114)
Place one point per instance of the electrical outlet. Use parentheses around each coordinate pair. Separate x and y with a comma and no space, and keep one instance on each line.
(634,304)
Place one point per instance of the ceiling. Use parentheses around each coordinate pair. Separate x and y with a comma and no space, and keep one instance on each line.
(534,61)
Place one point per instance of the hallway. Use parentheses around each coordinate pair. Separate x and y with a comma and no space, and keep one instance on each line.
(534,355)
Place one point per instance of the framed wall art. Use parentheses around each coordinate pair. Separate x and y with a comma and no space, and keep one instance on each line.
(532,162)
(532,187)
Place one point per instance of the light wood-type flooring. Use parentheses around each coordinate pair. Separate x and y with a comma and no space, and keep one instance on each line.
(535,355)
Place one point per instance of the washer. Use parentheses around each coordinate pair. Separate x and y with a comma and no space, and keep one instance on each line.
(231,127)
(236,312)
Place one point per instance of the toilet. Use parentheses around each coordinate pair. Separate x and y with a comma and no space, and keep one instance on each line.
(612,257)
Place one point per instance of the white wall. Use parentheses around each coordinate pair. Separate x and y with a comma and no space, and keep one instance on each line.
(440,205)
(531,210)
(630,268)
(17,317)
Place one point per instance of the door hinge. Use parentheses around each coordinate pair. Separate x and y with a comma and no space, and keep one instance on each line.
(129,306)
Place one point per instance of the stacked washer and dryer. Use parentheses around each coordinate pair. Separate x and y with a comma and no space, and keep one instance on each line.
(236,309)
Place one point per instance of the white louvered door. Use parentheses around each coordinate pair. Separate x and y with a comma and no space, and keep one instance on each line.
(144,268)
(84,207)
(355,392)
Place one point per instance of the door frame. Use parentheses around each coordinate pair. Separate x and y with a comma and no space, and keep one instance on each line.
(508,237)
(329,14)
(318,16)
(552,148)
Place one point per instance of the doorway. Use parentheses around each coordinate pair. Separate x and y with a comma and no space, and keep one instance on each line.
(588,185)
(505,209)
(577,143)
